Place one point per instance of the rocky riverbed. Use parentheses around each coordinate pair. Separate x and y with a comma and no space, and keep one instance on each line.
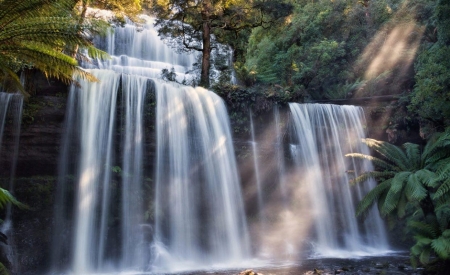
(393,264)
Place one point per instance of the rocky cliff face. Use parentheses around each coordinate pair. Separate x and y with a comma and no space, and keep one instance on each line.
(35,178)
(37,166)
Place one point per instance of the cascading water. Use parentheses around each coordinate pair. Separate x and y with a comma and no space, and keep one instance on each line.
(199,219)
(322,135)
(259,189)
(199,209)
(10,109)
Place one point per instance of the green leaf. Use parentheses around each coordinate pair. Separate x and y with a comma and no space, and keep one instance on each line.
(415,190)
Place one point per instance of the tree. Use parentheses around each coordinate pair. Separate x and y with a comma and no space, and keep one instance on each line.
(413,183)
(430,98)
(120,8)
(190,25)
(35,33)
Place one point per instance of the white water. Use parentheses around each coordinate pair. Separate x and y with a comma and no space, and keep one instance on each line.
(322,135)
(10,109)
(199,208)
(281,166)
(96,106)
(259,189)
(191,204)
(199,219)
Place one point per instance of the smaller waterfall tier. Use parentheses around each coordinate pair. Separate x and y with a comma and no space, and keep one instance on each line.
(321,136)
(137,50)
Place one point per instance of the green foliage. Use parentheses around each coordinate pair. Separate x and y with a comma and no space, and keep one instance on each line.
(35,33)
(3,270)
(188,25)
(6,197)
(431,96)
(121,8)
(413,182)
(429,100)
(315,48)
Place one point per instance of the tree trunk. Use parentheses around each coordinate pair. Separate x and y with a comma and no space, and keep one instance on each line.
(206,53)
(84,6)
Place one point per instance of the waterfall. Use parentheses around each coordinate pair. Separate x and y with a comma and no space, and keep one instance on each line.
(259,189)
(322,135)
(10,109)
(134,92)
(199,209)
(187,213)
(280,153)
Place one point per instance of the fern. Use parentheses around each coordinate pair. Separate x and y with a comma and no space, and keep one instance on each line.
(438,147)
(390,152)
(401,206)
(423,229)
(371,197)
(6,197)
(415,190)
(426,177)
(441,246)
(371,174)
(443,190)
(3,270)
(413,154)
(34,33)
(379,163)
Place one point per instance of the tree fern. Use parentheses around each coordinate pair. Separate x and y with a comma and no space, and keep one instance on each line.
(371,174)
(415,184)
(413,154)
(402,205)
(423,229)
(415,190)
(441,245)
(372,197)
(437,148)
(389,151)
(34,33)
(6,197)
(379,163)
(3,270)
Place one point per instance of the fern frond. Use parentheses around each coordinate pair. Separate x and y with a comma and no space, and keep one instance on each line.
(371,197)
(97,54)
(394,194)
(15,79)
(371,174)
(391,152)
(401,206)
(3,270)
(443,190)
(424,230)
(6,197)
(437,147)
(424,257)
(414,190)
(426,177)
(378,163)
(441,246)
(413,154)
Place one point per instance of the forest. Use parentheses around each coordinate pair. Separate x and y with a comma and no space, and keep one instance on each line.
(394,54)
